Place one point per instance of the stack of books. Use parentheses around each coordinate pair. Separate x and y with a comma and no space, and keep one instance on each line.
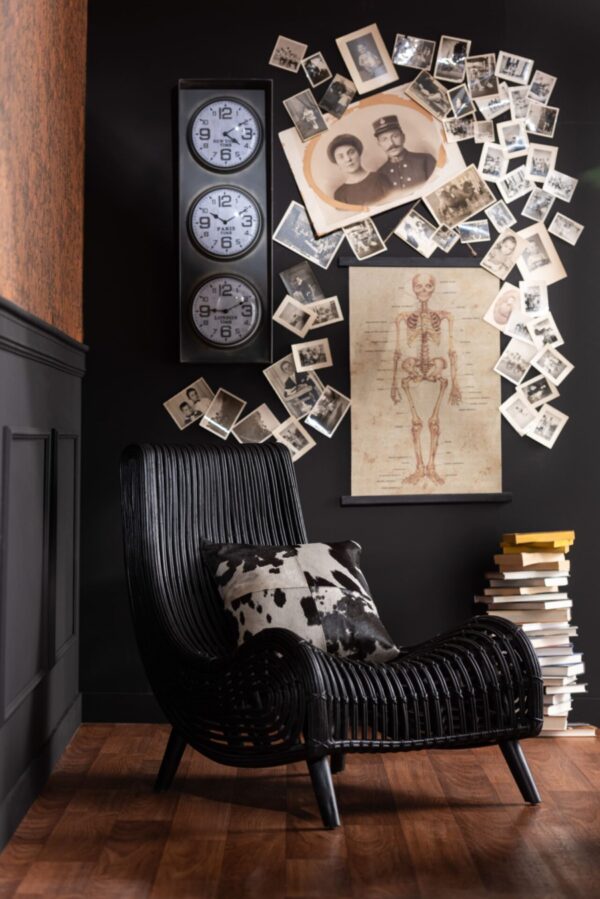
(529,587)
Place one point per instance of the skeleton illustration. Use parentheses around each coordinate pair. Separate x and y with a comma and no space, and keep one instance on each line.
(424,327)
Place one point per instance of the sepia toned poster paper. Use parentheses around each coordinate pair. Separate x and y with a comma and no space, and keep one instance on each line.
(424,393)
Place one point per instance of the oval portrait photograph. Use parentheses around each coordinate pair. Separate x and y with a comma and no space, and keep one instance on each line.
(384,152)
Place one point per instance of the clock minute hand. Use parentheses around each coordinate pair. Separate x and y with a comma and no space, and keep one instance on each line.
(228,134)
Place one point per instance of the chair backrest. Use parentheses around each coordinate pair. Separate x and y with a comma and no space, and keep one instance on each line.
(172,498)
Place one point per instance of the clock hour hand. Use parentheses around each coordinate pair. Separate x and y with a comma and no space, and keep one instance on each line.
(236,215)
(228,134)
(215,216)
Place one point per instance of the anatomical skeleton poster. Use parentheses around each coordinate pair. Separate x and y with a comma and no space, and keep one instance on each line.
(425,396)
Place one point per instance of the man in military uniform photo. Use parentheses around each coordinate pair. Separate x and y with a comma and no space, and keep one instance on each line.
(403,168)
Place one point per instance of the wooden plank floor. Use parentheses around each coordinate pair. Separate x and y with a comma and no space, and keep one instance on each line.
(429,825)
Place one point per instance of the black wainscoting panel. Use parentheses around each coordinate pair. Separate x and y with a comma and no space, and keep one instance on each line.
(26,491)
(40,425)
(423,562)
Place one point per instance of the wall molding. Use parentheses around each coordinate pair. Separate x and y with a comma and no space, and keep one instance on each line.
(24,334)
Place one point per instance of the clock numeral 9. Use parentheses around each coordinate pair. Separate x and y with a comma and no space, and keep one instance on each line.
(204,311)
(204,133)
(204,222)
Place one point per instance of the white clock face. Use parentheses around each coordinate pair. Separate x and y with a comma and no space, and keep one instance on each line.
(225,222)
(226,311)
(225,134)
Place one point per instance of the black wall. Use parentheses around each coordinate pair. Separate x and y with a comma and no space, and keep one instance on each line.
(423,562)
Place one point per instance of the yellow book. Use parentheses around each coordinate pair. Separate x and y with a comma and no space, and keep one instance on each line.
(535,547)
(537,536)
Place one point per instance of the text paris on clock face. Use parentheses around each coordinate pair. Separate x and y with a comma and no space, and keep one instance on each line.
(225,134)
(225,310)
(225,222)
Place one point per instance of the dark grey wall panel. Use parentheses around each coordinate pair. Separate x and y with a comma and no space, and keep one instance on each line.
(25,594)
(40,415)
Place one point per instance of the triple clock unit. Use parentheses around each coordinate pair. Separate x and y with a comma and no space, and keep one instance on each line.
(224,221)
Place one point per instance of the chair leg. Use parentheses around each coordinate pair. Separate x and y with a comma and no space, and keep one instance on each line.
(337,762)
(170,762)
(320,775)
(512,752)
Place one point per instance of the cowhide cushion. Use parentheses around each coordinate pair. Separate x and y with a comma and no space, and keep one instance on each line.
(316,590)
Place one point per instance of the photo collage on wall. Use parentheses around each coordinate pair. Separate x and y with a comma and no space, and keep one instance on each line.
(398,128)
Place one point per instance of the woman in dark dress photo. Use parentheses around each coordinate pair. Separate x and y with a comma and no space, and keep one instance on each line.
(361,188)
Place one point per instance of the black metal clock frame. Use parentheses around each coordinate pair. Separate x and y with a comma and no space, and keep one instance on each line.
(194,178)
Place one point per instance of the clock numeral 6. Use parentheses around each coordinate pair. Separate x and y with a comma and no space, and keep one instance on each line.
(226,243)
(225,154)
(225,331)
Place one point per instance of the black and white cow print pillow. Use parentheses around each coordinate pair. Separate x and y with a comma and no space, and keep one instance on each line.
(316,590)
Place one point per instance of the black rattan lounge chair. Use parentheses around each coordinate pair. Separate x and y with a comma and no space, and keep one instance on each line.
(277,699)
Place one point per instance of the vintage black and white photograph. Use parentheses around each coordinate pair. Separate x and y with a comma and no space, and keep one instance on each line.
(541,87)
(547,426)
(481,76)
(316,69)
(287,54)
(565,228)
(222,414)
(514,68)
(430,94)
(493,162)
(293,435)
(519,101)
(445,238)
(304,112)
(413,52)
(513,137)
(379,155)
(505,304)
(338,96)
(417,232)
(461,101)
(364,239)
(539,260)
(560,185)
(544,331)
(312,355)
(553,364)
(256,427)
(301,283)
(515,361)
(459,129)
(538,390)
(514,185)
(460,198)
(328,411)
(294,316)
(367,59)
(326,312)
(538,205)
(541,159)
(451,58)
(190,404)
(496,105)
(503,254)
(518,326)
(484,133)
(534,298)
(541,119)
(518,412)
(295,232)
(500,216)
(474,231)
(298,391)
